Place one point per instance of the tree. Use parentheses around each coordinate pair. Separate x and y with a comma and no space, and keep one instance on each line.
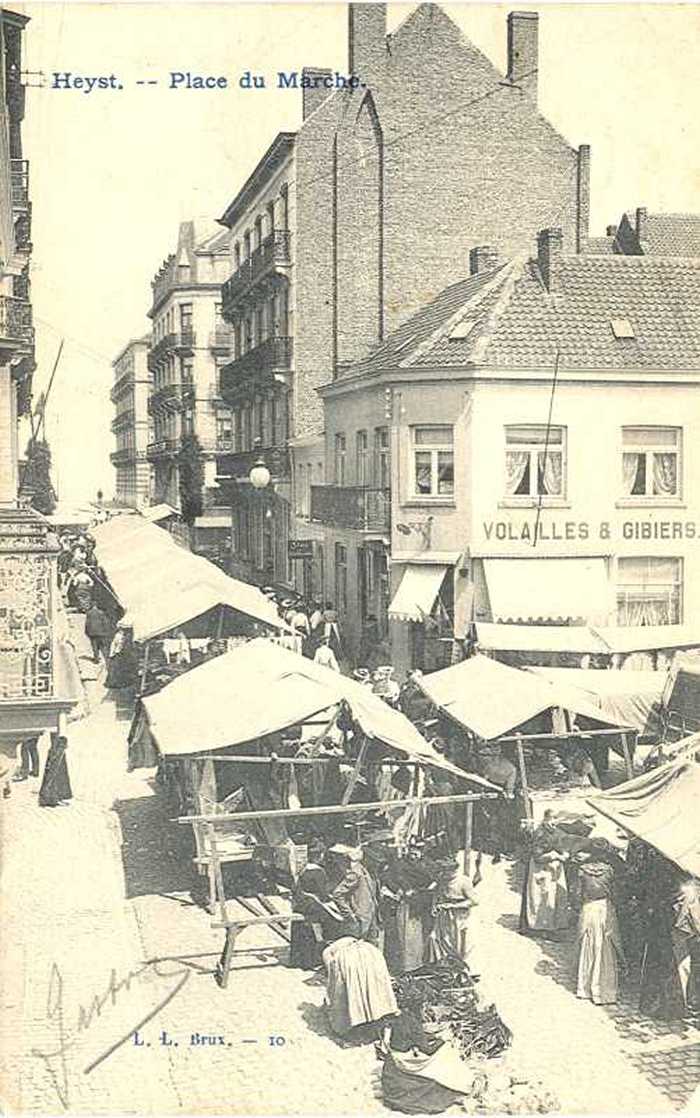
(37,476)
(191,463)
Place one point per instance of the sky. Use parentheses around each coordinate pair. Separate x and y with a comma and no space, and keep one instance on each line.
(113,173)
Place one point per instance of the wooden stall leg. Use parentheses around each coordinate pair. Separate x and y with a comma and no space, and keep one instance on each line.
(144,671)
(627,755)
(523,780)
(468,836)
(223,968)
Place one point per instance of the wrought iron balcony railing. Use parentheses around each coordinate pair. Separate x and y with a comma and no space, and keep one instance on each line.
(221,340)
(261,364)
(351,506)
(19,177)
(16,327)
(239,465)
(272,254)
(162,448)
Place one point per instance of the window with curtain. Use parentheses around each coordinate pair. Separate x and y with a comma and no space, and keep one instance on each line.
(651,462)
(361,458)
(186,319)
(341,578)
(433,461)
(382,478)
(340,448)
(649,591)
(535,462)
(224,430)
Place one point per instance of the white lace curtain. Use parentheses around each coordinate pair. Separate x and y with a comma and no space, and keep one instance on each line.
(645,611)
(550,474)
(665,480)
(517,462)
(630,468)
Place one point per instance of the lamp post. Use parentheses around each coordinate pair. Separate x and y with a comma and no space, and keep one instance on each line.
(259,477)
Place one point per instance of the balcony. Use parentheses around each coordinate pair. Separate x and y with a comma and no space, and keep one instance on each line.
(16,330)
(357,507)
(19,177)
(263,366)
(162,448)
(167,396)
(239,465)
(123,456)
(124,419)
(23,230)
(182,343)
(269,261)
(221,341)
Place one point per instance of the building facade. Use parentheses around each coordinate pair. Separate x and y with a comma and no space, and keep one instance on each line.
(131,424)
(383,194)
(190,422)
(38,675)
(542,435)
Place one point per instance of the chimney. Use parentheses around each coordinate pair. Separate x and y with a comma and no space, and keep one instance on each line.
(523,51)
(583,196)
(315,94)
(549,253)
(611,230)
(483,258)
(366,40)
(640,223)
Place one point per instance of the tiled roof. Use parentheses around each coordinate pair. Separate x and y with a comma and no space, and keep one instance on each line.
(672,234)
(599,246)
(508,319)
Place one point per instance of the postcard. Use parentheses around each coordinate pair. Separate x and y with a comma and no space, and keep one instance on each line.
(349,558)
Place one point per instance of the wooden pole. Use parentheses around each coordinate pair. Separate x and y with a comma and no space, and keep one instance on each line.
(144,669)
(627,755)
(523,777)
(337,809)
(468,834)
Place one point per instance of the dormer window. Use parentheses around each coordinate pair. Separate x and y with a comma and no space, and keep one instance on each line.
(622,328)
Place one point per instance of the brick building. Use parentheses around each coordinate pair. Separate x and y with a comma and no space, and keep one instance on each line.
(388,184)
(190,341)
(543,435)
(131,423)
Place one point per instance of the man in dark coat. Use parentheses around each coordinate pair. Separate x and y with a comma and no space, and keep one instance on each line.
(98,631)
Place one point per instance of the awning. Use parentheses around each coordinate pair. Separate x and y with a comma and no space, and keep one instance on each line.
(417,591)
(623,698)
(547,589)
(159,512)
(645,638)
(260,689)
(662,807)
(539,638)
(490,699)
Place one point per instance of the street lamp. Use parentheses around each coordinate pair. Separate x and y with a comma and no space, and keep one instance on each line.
(259,475)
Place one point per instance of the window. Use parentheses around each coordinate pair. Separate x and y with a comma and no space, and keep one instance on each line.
(532,470)
(341,578)
(284,199)
(259,419)
(219,323)
(651,461)
(361,458)
(247,442)
(270,217)
(258,232)
(622,328)
(187,421)
(433,461)
(185,318)
(186,370)
(224,430)
(274,422)
(381,458)
(237,255)
(648,591)
(246,245)
(259,325)
(340,459)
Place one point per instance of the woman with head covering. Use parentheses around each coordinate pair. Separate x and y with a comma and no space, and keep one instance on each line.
(545,906)
(453,902)
(308,940)
(55,784)
(355,895)
(122,668)
(358,985)
(600,946)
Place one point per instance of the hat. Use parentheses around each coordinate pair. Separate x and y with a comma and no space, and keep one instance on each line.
(354,853)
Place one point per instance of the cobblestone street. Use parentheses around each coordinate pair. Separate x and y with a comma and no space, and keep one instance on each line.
(95,890)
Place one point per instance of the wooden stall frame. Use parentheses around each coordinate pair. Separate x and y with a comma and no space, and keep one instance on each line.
(233,925)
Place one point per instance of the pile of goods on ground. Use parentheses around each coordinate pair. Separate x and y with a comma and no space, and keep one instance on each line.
(445,994)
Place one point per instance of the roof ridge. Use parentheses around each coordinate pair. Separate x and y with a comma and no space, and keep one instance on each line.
(446,327)
(514,271)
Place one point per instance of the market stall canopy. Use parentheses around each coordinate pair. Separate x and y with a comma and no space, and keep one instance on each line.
(155,513)
(539,638)
(490,699)
(419,587)
(622,698)
(260,689)
(662,807)
(547,589)
(645,638)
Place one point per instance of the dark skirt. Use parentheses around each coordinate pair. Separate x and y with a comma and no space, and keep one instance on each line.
(55,784)
(412,1094)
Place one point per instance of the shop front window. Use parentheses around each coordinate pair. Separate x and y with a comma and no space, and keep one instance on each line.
(649,591)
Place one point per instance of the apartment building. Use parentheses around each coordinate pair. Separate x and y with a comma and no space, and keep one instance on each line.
(131,423)
(542,422)
(258,302)
(189,420)
(38,675)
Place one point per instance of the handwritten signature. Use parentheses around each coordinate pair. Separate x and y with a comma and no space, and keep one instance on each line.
(55,1059)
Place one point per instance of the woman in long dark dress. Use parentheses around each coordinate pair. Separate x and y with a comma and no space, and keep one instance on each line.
(308,940)
(55,784)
